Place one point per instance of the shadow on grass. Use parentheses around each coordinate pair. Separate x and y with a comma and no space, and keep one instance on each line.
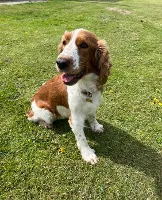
(123,149)
(61,126)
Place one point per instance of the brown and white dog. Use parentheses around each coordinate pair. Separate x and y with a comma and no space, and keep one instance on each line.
(83,62)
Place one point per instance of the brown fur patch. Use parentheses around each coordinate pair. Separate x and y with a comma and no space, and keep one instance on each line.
(53,93)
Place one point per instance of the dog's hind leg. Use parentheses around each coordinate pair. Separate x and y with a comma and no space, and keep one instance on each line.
(41,115)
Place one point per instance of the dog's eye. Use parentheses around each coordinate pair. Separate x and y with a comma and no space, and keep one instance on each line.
(64,42)
(83,45)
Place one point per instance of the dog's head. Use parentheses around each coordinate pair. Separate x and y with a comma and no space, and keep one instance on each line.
(80,53)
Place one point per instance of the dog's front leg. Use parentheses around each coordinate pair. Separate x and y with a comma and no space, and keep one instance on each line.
(77,124)
(96,127)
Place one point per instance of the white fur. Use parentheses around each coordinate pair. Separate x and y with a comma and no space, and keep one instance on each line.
(81,110)
(41,114)
(71,50)
(64,112)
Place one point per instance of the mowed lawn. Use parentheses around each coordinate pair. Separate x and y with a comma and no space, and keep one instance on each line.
(45,164)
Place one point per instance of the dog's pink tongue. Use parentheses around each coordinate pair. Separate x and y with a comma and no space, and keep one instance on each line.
(67,78)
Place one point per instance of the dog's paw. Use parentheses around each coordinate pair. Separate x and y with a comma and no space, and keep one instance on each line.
(45,125)
(96,127)
(89,155)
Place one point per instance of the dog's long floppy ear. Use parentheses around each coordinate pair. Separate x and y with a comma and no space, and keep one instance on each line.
(103,63)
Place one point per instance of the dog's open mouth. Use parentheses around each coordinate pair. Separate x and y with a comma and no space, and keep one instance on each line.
(71,79)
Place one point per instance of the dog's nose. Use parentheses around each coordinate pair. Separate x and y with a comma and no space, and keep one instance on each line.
(62,63)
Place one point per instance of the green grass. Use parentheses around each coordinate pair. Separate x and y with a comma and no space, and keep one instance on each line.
(129,150)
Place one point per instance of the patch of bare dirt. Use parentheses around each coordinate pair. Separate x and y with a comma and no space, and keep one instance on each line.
(121,11)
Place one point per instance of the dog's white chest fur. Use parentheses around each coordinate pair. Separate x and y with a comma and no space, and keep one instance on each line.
(79,101)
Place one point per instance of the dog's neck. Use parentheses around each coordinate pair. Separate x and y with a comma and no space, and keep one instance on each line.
(88,83)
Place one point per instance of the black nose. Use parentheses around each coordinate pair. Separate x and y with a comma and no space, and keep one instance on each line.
(62,63)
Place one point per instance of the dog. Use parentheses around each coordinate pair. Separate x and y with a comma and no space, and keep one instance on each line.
(84,66)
